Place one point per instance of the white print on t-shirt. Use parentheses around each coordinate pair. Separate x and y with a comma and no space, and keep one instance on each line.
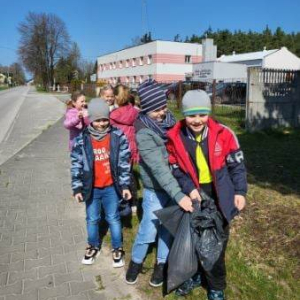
(101,154)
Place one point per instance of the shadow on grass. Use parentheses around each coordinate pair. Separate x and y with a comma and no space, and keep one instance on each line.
(273,159)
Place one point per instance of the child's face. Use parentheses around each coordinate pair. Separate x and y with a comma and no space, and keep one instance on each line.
(158,115)
(80,103)
(196,123)
(108,96)
(100,124)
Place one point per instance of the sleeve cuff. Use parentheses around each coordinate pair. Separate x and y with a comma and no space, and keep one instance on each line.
(76,191)
(179,196)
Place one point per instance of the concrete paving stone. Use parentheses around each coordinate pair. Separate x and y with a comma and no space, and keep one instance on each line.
(77,297)
(6,240)
(61,258)
(43,237)
(57,269)
(79,287)
(16,256)
(30,285)
(10,249)
(62,290)
(15,266)
(38,229)
(15,288)
(15,276)
(79,238)
(30,296)
(23,239)
(74,266)
(78,230)
(63,278)
(3,279)
(93,295)
(33,263)
(37,245)
(58,249)
(5,258)
(78,247)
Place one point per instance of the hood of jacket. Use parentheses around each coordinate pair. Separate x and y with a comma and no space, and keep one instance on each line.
(124,115)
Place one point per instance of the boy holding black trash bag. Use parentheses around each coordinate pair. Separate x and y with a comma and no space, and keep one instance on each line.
(206,157)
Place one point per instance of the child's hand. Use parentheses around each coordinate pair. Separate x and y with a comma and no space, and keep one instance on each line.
(78,197)
(186,204)
(126,195)
(194,195)
(80,114)
(239,202)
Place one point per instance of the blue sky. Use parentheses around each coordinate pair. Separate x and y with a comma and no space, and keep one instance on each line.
(104,26)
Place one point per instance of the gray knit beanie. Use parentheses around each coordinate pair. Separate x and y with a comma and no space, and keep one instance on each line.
(98,109)
(152,96)
(196,102)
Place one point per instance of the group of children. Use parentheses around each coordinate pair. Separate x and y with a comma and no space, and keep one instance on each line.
(176,160)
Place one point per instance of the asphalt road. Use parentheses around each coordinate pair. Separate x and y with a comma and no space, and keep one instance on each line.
(24,115)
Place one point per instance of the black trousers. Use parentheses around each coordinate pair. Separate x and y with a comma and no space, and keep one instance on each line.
(216,278)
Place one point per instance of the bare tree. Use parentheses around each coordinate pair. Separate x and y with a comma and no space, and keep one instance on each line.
(44,39)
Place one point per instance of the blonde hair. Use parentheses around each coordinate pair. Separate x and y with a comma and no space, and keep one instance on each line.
(122,94)
(105,88)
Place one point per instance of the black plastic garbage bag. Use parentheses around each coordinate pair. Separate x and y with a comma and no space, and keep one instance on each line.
(208,235)
(182,260)
(124,208)
(170,217)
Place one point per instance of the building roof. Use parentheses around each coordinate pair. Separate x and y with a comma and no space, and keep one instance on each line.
(142,45)
(246,56)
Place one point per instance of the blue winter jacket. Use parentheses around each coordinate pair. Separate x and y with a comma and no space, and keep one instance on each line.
(82,163)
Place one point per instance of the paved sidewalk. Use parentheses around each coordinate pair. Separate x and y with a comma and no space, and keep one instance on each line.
(42,230)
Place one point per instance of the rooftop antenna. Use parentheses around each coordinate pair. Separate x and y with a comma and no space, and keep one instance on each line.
(145,28)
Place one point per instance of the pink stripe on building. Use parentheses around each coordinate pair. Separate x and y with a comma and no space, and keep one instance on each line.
(168,77)
(174,58)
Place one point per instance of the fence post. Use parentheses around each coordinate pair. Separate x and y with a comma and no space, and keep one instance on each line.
(179,96)
(213,97)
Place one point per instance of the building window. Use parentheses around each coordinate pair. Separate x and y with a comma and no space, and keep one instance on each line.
(127,79)
(187,59)
(141,61)
(149,59)
(127,63)
(150,76)
(110,66)
(141,78)
(114,65)
(133,62)
(120,64)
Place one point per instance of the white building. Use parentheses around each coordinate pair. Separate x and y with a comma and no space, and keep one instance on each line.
(163,61)
(270,59)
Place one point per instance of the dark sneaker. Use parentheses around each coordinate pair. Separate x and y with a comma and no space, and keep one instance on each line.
(91,253)
(215,295)
(189,285)
(118,257)
(133,271)
(157,277)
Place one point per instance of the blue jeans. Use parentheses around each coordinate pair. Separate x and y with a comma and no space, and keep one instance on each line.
(150,226)
(108,199)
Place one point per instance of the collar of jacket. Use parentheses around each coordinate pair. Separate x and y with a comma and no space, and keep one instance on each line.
(184,159)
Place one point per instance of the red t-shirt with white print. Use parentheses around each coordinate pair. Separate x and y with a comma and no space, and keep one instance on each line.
(102,172)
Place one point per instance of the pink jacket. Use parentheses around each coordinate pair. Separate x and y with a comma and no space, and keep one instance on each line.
(123,118)
(74,124)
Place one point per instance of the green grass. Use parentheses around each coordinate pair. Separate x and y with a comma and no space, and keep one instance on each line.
(263,254)
(2,88)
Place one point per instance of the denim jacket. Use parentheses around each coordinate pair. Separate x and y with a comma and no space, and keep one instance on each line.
(82,163)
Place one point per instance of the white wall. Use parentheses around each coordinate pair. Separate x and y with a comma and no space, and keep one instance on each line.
(282,59)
